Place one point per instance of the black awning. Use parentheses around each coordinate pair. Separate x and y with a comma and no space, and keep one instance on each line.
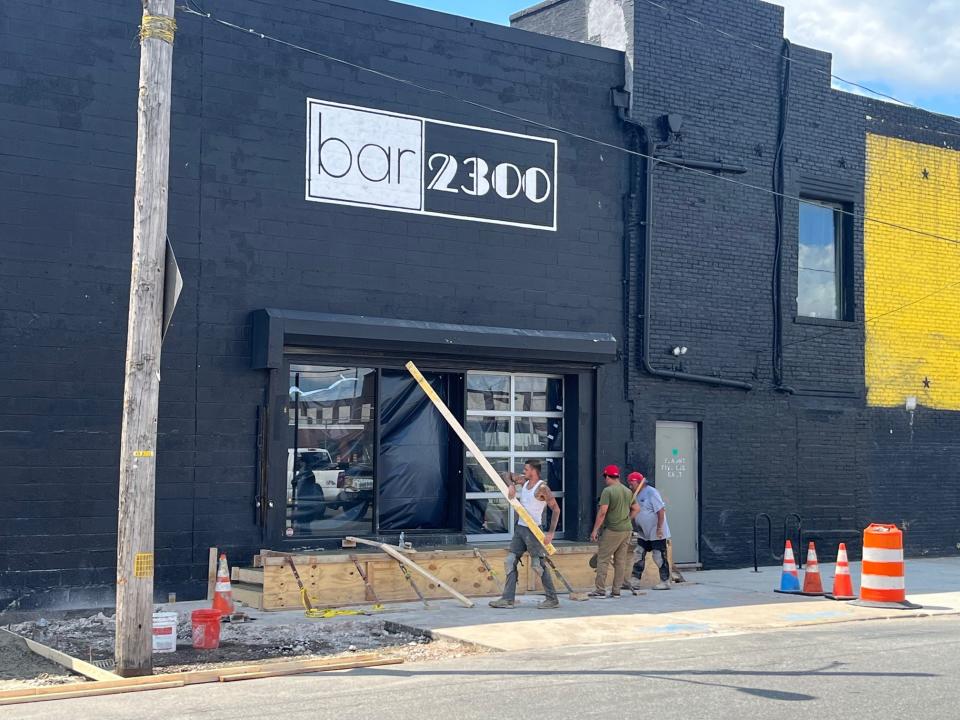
(274,329)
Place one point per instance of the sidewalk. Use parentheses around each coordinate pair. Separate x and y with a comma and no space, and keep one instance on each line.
(709,603)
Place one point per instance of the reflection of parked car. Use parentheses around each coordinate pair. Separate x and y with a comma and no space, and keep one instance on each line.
(356,484)
(319,462)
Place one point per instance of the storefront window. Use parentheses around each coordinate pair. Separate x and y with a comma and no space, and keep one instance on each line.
(512,418)
(331,418)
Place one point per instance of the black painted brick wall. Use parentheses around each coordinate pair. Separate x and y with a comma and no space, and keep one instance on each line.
(246,239)
(822,454)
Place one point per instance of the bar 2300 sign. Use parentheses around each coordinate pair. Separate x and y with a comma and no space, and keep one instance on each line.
(404,163)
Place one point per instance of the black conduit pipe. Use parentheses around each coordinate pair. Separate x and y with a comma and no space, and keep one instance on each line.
(650,163)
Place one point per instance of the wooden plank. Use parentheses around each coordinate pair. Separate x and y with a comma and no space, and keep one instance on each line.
(61,658)
(251,576)
(251,596)
(170,680)
(411,565)
(211,572)
(575,568)
(347,664)
(93,690)
(478,456)
(327,585)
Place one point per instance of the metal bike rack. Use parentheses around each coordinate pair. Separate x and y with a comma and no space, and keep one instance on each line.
(756,567)
(786,526)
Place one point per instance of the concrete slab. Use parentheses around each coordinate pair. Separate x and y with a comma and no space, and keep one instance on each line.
(710,603)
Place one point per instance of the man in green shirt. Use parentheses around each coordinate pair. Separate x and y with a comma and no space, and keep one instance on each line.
(615,516)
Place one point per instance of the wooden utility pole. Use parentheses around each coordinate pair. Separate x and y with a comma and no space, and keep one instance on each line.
(141,389)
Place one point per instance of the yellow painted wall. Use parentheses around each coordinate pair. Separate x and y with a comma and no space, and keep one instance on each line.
(923,340)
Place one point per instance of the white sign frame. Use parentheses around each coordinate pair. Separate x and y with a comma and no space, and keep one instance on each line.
(311,102)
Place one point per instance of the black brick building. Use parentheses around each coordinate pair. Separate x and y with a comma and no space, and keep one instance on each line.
(520,267)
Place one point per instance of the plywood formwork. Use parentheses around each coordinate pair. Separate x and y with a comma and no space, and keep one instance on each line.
(332,580)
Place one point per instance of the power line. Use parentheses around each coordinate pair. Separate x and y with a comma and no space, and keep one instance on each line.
(763,48)
(190,10)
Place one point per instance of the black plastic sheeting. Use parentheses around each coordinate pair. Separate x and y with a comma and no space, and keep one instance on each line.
(414,457)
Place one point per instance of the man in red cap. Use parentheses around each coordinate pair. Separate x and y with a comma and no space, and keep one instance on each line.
(614,517)
(653,532)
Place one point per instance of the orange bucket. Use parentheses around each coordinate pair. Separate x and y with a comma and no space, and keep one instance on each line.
(206,629)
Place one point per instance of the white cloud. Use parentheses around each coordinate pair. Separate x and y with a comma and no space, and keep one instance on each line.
(913,46)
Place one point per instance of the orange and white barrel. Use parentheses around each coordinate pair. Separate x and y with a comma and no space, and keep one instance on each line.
(883,569)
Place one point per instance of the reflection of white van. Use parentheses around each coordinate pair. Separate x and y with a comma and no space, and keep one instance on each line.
(319,462)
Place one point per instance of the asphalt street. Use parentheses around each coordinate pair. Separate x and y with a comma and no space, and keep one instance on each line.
(907,668)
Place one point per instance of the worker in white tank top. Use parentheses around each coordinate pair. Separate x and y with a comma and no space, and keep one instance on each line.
(533,500)
(535,496)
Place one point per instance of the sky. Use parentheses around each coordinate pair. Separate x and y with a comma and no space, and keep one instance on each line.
(906,48)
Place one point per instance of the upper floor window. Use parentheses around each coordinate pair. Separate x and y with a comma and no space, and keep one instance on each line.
(823,285)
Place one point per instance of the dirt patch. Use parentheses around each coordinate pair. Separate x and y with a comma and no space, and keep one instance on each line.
(21,668)
(92,639)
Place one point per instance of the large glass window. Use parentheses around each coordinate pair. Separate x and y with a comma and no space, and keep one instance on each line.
(512,418)
(331,419)
(820,283)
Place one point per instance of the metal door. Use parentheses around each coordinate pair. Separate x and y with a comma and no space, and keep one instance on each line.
(677,477)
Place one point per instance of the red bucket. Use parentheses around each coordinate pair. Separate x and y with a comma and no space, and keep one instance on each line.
(206,629)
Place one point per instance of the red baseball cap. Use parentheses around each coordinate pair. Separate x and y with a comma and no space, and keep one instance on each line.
(611,471)
(635,477)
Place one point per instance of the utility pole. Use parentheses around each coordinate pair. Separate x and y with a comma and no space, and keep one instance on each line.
(141,389)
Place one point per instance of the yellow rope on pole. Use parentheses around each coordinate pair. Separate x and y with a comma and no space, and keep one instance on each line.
(158,26)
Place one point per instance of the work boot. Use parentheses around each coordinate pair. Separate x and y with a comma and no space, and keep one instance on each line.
(549,604)
(662,585)
(597,593)
(502,603)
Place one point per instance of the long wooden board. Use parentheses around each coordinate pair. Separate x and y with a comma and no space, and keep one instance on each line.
(397,555)
(60,658)
(347,664)
(92,690)
(171,680)
(479,456)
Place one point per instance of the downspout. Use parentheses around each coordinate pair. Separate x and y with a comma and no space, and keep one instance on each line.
(642,139)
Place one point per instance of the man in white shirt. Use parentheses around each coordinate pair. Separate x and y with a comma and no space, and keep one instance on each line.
(652,529)
(535,496)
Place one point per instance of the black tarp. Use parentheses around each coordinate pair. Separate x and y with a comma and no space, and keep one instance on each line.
(414,457)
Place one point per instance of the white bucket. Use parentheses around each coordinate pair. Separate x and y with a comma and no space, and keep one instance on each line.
(164,632)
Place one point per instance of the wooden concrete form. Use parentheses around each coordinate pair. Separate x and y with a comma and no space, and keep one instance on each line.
(69,662)
(332,580)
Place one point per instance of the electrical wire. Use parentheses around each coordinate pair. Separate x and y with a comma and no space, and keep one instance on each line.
(191,10)
(793,60)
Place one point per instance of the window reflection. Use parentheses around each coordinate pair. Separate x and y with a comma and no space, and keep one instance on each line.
(818,281)
(488,392)
(330,456)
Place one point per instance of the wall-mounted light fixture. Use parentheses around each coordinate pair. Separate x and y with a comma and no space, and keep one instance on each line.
(678,351)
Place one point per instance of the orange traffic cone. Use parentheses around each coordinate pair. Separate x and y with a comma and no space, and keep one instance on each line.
(223,594)
(842,586)
(789,580)
(812,584)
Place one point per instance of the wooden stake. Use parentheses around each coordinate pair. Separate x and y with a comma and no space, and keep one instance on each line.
(403,559)
(212,557)
(141,390)
(455,425)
